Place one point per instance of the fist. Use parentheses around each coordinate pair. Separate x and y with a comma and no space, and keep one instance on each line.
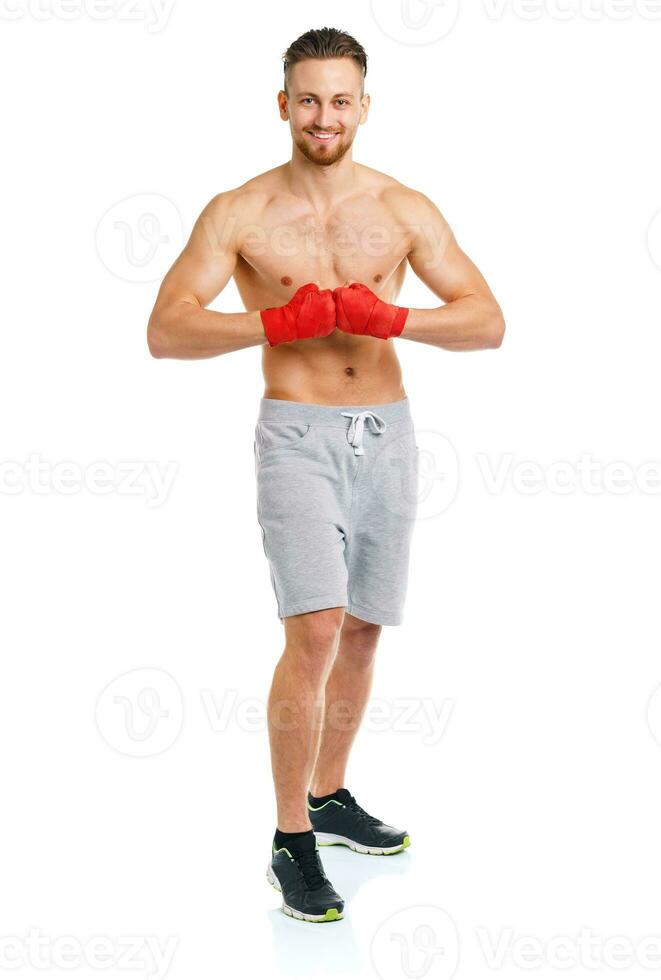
(360,311)
(309,313)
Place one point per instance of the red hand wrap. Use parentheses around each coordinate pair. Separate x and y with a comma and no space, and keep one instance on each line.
(360,311)
(309,313)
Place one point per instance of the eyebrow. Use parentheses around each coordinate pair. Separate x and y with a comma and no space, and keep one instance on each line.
(336,96)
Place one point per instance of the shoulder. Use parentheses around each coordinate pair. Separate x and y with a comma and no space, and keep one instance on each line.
(408,204)
(242,201)
(411,205)
(231,211)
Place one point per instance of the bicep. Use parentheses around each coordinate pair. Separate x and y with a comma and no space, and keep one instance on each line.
(437,259)
(206,263)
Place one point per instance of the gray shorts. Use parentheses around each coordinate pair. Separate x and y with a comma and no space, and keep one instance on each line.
(337,490)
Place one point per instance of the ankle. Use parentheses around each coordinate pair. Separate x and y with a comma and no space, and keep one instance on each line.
(294,826)
(295,840)
(318,790)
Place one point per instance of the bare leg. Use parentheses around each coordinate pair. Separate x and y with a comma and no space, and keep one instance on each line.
(295,710)
(347,690)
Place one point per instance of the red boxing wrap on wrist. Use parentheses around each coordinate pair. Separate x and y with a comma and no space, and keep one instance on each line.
(360,311)
(309,313)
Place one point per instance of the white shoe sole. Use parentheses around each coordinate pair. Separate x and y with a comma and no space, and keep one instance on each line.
(325,840)
(331,915)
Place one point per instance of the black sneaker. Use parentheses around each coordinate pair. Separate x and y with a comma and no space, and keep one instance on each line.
(306,891)
(343,821)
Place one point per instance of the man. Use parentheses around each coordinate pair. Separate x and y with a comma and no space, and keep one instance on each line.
(318,248)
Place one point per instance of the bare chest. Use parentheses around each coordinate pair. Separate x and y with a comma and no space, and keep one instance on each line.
(285,247)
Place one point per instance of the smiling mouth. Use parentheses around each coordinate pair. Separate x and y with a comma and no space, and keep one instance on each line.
(322,137)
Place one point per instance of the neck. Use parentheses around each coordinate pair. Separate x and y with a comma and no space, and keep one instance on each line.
(321,184)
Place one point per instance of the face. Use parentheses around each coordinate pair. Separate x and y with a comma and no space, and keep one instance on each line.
(324,98)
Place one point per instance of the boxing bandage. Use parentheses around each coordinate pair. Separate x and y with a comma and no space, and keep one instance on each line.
(309,313)
(360,311)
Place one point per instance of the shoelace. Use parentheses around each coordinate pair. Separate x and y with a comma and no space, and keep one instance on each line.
(367,817)
(310,868)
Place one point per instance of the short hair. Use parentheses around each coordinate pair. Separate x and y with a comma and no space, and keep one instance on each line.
(325,42)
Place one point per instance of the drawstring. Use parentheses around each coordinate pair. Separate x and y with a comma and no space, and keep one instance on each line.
(355,431)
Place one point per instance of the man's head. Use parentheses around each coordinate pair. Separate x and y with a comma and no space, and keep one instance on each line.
(324,92)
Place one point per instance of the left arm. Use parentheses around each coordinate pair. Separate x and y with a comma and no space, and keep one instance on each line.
(470,318)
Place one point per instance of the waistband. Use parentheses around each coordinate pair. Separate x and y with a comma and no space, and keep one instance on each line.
(339,416)
(353,418)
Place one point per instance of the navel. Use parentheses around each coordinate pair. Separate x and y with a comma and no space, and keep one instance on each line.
(286,281)
(348,370)
(378,277)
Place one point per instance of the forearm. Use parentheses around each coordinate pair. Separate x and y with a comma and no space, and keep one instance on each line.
(470,323)
(188,331)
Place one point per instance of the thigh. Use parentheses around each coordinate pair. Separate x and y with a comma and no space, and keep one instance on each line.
(383,519)
(302,520)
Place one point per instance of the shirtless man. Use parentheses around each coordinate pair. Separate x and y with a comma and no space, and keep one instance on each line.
(318,248)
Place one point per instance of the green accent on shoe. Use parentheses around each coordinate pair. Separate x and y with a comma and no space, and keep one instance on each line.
(332,915)
(406,842)
(324,805)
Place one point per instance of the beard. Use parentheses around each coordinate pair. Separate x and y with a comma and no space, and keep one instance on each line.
(323,156)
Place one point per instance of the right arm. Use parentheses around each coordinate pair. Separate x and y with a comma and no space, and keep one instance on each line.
(179,325)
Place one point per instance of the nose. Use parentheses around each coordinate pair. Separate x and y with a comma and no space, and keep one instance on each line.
(324,119)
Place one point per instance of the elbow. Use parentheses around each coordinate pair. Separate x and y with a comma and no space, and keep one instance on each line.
(156,339)
(496,328)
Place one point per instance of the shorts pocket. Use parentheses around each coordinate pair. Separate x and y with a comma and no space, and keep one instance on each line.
(272,437)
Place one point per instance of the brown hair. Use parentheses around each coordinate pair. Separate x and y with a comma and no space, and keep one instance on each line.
(326,42)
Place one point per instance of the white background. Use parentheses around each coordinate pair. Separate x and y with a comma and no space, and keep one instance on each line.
(145,809)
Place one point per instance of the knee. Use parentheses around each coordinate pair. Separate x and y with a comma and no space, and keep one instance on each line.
(313,637)
(358,644)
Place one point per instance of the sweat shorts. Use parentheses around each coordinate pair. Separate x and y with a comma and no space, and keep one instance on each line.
(337,490)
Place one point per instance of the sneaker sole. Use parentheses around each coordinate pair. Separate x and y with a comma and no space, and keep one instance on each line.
(330,915)
(327,840)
